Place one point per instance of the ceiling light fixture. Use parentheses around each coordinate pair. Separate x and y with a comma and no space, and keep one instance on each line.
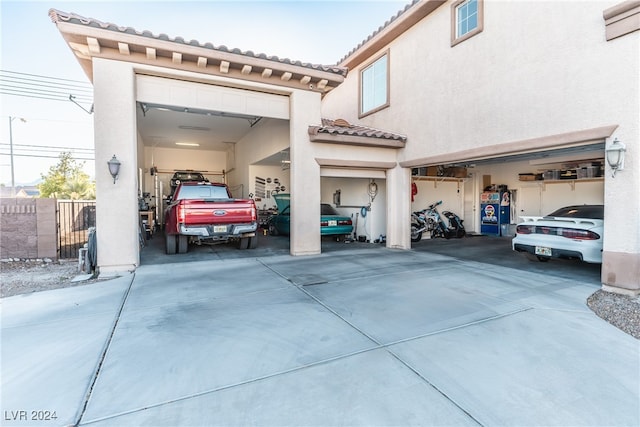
(188,144)
(201,128)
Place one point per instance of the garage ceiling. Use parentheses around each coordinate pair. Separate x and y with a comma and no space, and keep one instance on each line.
(178,127)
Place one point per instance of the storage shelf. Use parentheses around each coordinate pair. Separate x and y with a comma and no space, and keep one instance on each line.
(437,179)
(571,182)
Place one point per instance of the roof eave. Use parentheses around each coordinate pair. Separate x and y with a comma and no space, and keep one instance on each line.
(315,135)
(389,32)
(88,42)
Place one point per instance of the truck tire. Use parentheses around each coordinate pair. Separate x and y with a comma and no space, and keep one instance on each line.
(253,242)
(244,243)
(170,244)
(183,244)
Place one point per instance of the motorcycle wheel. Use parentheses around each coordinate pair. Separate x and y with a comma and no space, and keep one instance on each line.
(416,235)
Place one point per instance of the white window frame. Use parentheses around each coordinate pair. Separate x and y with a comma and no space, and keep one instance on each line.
(374,77)
(456,9)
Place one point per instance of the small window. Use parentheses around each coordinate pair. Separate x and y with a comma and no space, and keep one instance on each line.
(466,20)
(374,86)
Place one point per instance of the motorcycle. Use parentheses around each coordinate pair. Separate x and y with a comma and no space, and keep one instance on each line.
(430,220)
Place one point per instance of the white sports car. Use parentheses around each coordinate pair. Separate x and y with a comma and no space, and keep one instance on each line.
(570,232)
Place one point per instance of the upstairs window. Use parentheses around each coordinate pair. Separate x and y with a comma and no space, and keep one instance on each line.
(466,20)
(374,86)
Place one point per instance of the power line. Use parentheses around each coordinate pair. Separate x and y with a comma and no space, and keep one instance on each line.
(44,87)
(44,157)
(45,77)
(48,146)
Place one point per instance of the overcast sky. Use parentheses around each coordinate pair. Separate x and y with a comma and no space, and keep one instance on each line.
(320,32)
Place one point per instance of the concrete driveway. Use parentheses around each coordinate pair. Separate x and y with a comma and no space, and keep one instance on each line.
(363,336)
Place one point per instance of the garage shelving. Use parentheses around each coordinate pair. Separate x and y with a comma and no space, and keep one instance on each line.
(571,182)
(437,179)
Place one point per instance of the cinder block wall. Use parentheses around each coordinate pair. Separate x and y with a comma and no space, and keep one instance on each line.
(28,228)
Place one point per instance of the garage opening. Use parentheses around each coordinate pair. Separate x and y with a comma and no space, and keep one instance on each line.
(492,195)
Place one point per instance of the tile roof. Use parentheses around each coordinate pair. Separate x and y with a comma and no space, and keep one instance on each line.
(380,29)
(342,127)
(60,16)
(341,131)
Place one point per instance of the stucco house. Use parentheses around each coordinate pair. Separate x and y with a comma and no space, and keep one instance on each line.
(488,89)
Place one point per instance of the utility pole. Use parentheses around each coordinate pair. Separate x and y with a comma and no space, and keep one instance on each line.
(13,180)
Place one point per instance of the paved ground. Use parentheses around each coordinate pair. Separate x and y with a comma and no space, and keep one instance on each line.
(360,335)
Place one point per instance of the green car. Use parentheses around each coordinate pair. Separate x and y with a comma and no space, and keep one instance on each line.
(331,222)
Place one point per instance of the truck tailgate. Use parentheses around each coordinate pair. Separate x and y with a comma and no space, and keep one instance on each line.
(203,212)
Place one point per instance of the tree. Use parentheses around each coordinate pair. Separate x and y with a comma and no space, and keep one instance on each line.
(66,180)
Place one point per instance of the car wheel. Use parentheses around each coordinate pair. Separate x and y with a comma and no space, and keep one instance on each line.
(416,235)
(170,244)
(183,244)
(543,258)
(253,242)
(273,230)
(243,243)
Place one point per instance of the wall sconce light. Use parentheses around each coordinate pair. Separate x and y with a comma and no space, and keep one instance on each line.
(114,167)
(615,156)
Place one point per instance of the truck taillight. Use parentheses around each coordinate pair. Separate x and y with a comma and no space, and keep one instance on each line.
(181,215)
(254,216)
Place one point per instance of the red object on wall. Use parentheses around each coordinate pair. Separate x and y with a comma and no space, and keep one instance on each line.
(414,190)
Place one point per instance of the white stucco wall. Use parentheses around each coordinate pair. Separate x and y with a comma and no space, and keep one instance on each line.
(537,69)
(115,133)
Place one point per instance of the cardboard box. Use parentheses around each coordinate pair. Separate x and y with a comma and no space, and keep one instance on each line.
(526,177)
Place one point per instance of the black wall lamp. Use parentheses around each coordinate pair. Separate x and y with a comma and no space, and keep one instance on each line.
(615,156)
(114,167)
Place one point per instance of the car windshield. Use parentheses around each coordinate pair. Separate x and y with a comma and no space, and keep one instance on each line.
(584,211)
(202,192)
(326,209)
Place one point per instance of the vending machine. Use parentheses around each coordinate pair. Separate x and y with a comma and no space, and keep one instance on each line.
(495,211)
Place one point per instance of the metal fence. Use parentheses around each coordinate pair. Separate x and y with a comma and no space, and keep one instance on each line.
(74,219)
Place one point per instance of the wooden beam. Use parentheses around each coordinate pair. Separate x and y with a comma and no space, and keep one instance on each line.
(305,80)
(94,45)
(224,67)
(124,48)
(246,69)
(151,53)
(176,58)
(286,76)
(266,73)
(202,62)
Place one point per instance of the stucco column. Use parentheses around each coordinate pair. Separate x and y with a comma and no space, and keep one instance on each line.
(304,175)
(621,252)
(399,208)
(115,134)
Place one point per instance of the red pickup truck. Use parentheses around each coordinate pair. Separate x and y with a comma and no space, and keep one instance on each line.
(206,212)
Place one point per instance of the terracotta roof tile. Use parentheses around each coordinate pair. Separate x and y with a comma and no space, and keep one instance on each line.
(59,16)
(381,28)
(342,127)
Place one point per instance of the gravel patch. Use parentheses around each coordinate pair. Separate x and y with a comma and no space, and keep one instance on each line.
(621,311)
(19,277)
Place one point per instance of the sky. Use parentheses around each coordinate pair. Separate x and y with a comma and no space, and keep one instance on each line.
(319,32)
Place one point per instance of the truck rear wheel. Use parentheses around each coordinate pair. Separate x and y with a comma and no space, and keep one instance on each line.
(253,242)
(183,244)
(170,244)
(243,243)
